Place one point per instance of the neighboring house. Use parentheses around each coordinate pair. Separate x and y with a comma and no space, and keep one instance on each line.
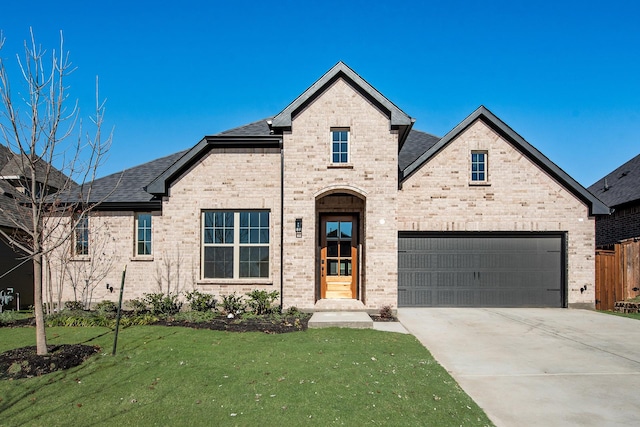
(16,269)
(338,203)
(621,191)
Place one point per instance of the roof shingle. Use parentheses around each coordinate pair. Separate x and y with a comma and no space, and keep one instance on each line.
(621,186)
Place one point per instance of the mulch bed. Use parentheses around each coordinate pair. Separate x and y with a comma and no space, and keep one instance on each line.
(26,363)
(251,324)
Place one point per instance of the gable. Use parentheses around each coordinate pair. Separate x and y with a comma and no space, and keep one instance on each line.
(596,207)
(398,119)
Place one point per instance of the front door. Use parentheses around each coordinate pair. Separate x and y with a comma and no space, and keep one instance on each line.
(338,256)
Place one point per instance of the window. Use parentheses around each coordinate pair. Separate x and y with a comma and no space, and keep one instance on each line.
(478,166)
(340,146)
(143,235)
(81,236)
(236,244)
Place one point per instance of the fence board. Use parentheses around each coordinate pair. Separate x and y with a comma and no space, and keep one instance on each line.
(617,274)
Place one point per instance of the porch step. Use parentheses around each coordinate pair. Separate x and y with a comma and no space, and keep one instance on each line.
(341,319)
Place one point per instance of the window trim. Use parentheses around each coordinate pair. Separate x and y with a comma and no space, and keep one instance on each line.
(236,245)
(485,163)
(81,225)
(332,153)
(137,241)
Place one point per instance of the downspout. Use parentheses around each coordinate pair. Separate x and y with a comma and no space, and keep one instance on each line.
(281,225)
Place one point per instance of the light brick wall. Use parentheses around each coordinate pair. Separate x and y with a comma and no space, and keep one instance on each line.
(229,179)
(520,197)
(372,176)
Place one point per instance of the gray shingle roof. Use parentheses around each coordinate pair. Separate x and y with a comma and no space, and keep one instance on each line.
(128,186)
(622,185)
(10,206)
(11,165)
(258,128)
(417,143)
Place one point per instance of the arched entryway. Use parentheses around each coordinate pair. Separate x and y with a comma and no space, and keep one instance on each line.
(340,219)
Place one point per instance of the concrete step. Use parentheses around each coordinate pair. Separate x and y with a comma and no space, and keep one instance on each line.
(341,319)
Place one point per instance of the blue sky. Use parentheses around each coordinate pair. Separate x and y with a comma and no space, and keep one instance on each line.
(564,75)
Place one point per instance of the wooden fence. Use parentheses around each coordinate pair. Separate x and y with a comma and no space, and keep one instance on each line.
(617,274)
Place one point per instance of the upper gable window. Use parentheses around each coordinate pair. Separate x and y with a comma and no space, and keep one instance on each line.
(478,166)
(339,145)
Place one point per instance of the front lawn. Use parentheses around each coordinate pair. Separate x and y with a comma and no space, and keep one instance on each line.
(181,376)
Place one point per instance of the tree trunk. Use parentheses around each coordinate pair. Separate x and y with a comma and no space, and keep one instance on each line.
(41,336)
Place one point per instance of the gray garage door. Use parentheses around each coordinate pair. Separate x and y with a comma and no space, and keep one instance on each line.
(480,270)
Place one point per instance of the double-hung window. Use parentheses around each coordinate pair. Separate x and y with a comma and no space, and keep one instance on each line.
(339,145)
(235,244)
(478,166)
(143,234)
(81,235)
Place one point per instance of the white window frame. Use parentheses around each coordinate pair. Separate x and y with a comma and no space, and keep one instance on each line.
(236,243)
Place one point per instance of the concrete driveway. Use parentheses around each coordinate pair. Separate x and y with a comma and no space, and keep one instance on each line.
(538,367)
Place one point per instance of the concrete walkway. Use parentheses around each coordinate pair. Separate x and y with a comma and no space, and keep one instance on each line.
(538,367)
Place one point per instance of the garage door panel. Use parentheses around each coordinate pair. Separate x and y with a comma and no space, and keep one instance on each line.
(505,271)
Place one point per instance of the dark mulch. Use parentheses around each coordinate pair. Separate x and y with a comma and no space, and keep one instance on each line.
(249,324)
(26,363)
(378,318)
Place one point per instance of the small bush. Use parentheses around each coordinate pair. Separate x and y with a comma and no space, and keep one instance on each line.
(233,303)
(293,311)
(386,312)
(261,301)
(7,317)
(160,303)
(73,305)
(106,307)
(138,305)
(199,301)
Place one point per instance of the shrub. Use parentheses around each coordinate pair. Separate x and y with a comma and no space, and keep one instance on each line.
(106,307)
(7,317)
(293,311)
(386,312)
(160,303)
(73,305)
(233,303)
(260,301)
(199,301)
(138,306)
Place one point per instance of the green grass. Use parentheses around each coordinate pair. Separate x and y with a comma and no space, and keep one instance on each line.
(629,315)
(178,376)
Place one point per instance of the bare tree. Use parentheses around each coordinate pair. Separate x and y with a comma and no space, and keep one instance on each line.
(86,274)
(55,158)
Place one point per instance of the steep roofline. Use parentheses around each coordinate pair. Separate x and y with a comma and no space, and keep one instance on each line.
(399,119)
(596,207)
(159,186)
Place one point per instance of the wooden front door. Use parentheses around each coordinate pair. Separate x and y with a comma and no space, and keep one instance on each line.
(339,256)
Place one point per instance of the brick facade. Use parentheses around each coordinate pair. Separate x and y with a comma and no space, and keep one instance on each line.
(438,196)
(519,197)
(623,223)
(370,177)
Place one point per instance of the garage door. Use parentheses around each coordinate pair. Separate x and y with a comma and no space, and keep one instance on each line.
(480,270)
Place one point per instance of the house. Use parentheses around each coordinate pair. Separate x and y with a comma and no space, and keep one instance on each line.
(338,203)
(620,190)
